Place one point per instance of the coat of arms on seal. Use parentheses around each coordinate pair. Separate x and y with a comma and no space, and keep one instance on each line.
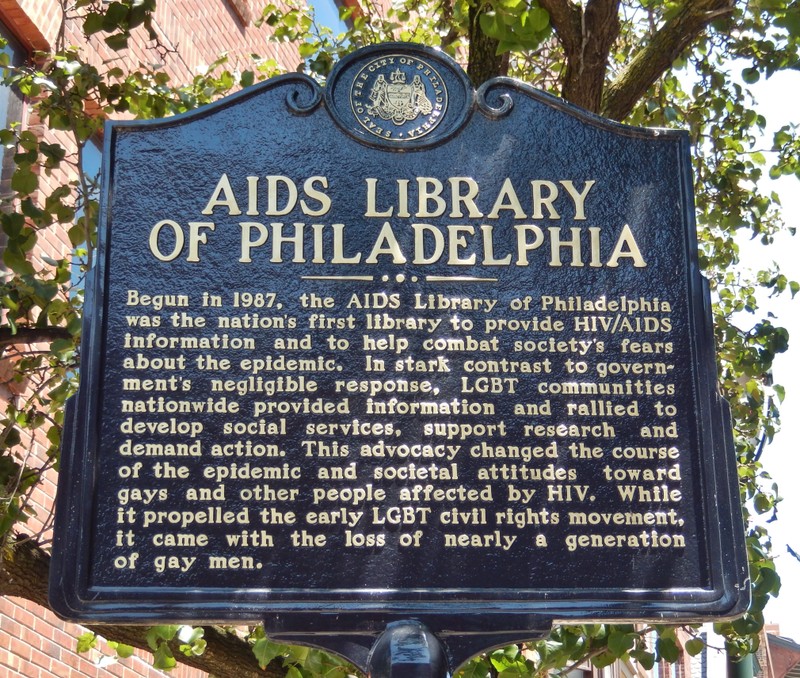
(399,101)
(398,97)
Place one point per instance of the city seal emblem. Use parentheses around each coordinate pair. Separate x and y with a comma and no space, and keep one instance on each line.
(398,97)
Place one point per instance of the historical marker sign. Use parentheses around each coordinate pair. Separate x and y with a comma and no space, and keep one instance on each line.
(397,349)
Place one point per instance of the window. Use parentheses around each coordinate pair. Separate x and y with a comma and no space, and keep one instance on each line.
(10,102)
(10,113)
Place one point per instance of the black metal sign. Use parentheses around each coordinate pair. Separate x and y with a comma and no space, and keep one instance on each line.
(395,349)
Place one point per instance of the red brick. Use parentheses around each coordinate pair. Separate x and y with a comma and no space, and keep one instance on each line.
(59,669)
(40,659)
(9,660)
(19,648)
(25,617)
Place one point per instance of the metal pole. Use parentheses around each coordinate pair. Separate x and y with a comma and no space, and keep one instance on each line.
(742,668)
(407,649)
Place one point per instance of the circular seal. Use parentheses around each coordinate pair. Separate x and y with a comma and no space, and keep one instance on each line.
(398,97)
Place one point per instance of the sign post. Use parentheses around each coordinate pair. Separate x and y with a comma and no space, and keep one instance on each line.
(397,356)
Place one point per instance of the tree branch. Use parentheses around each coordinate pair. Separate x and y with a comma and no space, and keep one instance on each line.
(31,335)
(658,54)
(483,61)
(24,573)
(587,37)
(565,18)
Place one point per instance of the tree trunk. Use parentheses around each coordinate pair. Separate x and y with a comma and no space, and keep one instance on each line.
(587,36)
(25,570)
(484,62)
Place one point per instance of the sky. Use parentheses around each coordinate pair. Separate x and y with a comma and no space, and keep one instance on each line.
(779,98)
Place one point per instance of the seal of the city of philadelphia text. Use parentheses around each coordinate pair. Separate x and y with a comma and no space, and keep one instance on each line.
(398,97)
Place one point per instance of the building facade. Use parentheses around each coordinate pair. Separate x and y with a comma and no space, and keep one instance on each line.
(190,35)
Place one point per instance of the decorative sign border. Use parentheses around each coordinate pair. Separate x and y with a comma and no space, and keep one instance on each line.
(390,99)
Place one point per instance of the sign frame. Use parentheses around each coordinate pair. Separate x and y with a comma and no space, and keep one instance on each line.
(347,619)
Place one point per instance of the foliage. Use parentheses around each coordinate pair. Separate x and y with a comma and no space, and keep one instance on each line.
(298,661)
(705,90)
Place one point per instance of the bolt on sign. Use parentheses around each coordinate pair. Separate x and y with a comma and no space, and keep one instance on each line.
(396,349)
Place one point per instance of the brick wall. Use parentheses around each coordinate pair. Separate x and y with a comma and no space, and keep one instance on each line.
(33,642)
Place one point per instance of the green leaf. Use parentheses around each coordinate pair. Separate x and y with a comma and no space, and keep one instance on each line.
(668,649)
(603,659)
(87,641)
(189,635)
(123,651)
(117,42)
(620,643)
(646,659)
(14,259)
(750,75)
(748,623)
(24,181)
(762,503)
(297,653)
(247,79)
(265,651)
(77,235)
(491,25)
(538,18)
(115,17)
(694,646)
(156,634)
(477,668)
(29,141)
(192,642)
(768,582)
(163,658)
